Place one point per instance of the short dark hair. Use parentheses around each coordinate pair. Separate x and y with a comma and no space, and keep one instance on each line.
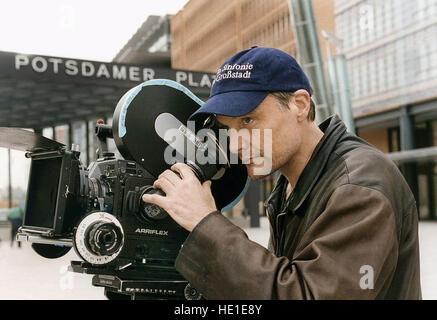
(283,98)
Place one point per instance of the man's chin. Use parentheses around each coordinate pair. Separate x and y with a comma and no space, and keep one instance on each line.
(257,172)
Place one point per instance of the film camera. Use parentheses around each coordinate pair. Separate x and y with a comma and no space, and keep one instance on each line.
(128,245)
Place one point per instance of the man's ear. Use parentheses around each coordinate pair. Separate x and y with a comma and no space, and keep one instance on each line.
(302,101)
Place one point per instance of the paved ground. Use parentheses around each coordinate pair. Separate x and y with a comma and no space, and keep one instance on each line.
(25,275)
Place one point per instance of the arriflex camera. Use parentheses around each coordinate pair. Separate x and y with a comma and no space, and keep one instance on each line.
(129,246)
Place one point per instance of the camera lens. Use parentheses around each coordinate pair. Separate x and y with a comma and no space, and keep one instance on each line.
(99,238)
(104,238)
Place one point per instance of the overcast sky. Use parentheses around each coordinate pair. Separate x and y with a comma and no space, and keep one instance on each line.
(80,29)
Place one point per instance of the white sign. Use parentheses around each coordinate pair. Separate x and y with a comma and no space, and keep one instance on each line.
(109,71)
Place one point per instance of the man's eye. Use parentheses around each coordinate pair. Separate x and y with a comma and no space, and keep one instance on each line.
(247,120)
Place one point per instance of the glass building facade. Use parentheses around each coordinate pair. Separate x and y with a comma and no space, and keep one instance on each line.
(391,47)
(391,52)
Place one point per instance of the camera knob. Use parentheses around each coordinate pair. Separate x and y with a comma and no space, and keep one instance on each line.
(149,210)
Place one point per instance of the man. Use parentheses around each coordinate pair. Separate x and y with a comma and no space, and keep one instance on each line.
(343,220)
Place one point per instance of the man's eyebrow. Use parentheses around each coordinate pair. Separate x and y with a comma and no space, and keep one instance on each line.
(221,126)
(252,113)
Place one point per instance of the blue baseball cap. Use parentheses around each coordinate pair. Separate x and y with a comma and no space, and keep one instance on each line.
(244,80)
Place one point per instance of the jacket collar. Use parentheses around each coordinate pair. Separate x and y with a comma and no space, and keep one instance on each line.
(333,129)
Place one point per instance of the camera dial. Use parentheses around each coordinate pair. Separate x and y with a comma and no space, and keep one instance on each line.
(149,210)
(99,238)
(103,238)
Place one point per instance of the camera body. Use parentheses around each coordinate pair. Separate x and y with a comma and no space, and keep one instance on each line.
(98,211)
(129,246)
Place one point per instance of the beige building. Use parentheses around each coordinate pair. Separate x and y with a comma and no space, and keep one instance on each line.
(205,33)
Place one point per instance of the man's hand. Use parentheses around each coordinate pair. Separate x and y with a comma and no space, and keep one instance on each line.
(187,201)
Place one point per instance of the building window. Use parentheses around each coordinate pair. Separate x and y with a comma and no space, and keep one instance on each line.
(79,138)
(61,134)
(48,132)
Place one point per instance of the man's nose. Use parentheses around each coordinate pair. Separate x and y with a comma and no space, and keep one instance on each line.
(233,144)
(236,142)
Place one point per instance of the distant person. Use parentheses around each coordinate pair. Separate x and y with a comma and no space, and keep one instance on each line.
(15,217)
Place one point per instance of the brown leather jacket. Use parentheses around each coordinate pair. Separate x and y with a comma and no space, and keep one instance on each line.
(349,230)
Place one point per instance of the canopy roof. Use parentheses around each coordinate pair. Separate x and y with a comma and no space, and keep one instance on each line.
(43,91)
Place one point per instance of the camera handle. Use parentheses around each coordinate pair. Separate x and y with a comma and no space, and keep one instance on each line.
(103,131)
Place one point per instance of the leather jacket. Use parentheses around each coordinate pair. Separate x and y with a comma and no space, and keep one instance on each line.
(348,230)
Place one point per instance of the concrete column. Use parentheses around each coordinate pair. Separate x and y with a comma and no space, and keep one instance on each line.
(9,179)
(87,143)
(406,123)
(251,202)
(70,135)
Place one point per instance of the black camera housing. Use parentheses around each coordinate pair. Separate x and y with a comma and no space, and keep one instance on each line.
(61,192)
(50,208)
(130,247)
